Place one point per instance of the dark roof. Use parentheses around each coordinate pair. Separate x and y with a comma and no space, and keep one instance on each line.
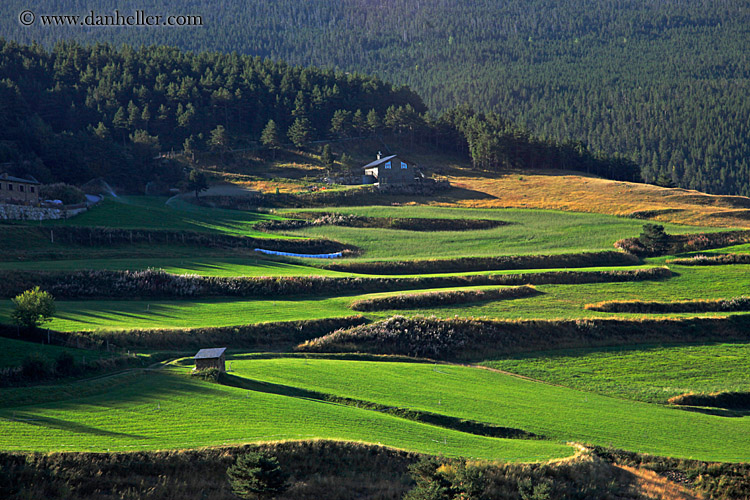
(7,177)
(210,353)
(378,162)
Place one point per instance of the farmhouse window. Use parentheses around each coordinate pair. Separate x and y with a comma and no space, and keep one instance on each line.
(403,165)
(387,164)
(20,188)
(31,188)
(10,187)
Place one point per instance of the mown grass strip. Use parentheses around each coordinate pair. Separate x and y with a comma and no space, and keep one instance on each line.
(157,410)
(487,396)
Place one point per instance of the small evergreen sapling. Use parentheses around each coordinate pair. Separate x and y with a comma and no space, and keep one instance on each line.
(257,475)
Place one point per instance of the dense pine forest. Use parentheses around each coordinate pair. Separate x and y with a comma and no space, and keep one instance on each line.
(663,83)
(81,112)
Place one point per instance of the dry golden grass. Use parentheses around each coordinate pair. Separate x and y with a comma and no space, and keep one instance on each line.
(652,485)
(577,192)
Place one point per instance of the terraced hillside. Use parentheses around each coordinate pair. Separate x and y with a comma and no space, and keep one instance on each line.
(480,345)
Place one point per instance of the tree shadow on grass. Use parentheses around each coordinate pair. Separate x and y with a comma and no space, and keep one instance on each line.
(64,425)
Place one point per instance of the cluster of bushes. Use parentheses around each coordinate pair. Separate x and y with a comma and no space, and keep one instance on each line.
(476,264)
(713,260)
(654,244)
(97,236)
(35,368)
(436,299)
(318,469)
(439,478)
(462,339)
(728,400)
(160,284)
(307,219)
(68,194)
(344,470)
(681,306)
(717,481)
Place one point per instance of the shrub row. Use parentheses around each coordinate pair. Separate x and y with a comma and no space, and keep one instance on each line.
(436,299)
(332,470)
(717,481)
(713,260)
(462,339)
(160,284)
(282,333)
(476,264)
(728,400)
(312,219)
(320,469)
(682,306)
(98,236)
(679,243)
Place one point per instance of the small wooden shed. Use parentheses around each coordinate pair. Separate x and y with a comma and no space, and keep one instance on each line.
(211,358)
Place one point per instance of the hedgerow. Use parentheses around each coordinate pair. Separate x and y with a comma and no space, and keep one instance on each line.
(461,339)
(153,283)
(728,400)
(308,219)
(108,236)
(716,481)
(679,243)
(281,333)
(682,306)
(476,264)
(713,260)
(436,299)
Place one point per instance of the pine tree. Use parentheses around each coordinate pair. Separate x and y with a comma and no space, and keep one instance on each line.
(270,137)
(257,475)
(299,132)
(326,158)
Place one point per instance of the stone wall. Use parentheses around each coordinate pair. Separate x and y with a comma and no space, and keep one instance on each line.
(24,212)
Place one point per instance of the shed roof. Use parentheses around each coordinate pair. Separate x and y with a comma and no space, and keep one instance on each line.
(380,161)
(7,177)
(216,352)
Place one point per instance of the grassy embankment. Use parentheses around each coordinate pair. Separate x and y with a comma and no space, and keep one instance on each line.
(558,413)
(159,410)
(645,373)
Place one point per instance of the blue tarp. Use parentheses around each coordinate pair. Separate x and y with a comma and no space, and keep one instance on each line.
(303,255)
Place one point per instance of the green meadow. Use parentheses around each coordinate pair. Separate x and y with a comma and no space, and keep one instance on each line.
(12,352)
(529,232)
(558,413)
(645,373)
(160,410)
(149,212)
(553,302)
(609,397)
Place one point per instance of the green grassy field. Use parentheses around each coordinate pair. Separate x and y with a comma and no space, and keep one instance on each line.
(558,413)
(150,212)
(208,266)
(529,232)
(645,373)
(160,410)
(554,302)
